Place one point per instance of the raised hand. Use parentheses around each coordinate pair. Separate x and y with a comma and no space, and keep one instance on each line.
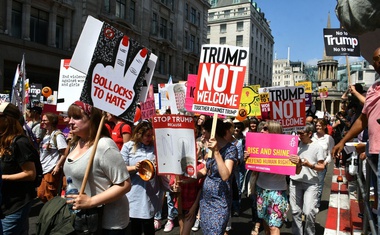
(112,90)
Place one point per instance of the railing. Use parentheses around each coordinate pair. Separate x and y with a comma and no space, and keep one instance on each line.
(364,184)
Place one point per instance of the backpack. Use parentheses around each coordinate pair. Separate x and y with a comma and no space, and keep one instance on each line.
(56,133)
(35,159)
(32,137)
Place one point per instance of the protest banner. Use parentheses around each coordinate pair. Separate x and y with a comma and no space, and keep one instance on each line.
(270,152)
(220,79)
(177,97)
(338,42)
(250,100)
(287,106)
(116,69)
(191,84)
(175,145)
(148,108)
(70,85)
(308,90)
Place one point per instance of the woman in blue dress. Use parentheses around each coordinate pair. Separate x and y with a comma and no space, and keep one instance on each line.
(216,197)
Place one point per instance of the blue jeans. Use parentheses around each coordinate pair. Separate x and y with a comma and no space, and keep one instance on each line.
(172,211)
(321,177)
(18,222)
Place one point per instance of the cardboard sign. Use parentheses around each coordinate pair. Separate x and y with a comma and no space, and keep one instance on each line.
(148,108)
(177,97)
(190,91)
(264,102)
(148,77)
(287,106)
(339,42)
(250,100)
(307,85)
(116,72)
(270,152)
(70,85)
(175,144)
(220,79)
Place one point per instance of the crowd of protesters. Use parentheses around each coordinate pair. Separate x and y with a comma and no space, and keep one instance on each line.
(125,202)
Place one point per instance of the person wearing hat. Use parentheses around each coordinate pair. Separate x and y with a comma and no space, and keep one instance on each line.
(33,118)
(18,171)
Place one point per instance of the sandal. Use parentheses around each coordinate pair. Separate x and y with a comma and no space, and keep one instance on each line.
(256,230)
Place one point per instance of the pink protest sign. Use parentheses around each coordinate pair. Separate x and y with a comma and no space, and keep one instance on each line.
(270,152)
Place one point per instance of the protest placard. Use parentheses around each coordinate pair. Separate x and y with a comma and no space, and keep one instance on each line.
(264,102)
(270,152)
(148,108)
(70,85)
(175,144)
(220,79)
(338,42)
(4,98)
(177,97)
(287,106)
(250,100)
(116,71)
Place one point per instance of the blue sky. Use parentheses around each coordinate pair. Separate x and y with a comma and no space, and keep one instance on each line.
(298,24)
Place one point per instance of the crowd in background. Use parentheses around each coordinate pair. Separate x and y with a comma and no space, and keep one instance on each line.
(125,202)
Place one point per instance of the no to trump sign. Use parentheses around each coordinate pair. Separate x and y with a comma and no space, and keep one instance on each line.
(220,79)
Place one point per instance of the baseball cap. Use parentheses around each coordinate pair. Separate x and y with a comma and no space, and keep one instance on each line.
(63,114)
(9,110)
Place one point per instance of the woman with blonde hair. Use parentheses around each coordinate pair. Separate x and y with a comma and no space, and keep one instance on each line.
(145,197)
(271,190)
(108,181)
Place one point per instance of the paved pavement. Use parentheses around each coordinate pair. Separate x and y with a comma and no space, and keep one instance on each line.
(240,225)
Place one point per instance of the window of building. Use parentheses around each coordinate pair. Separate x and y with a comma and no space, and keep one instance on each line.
(16,19)
(213,3)
(132,12)
(163,28)
(186,40)
(59,32)
(191,68)
(107,6)
(199,19)
(223,28)
(170,64)
(227,13)
(236,1)
(154,24)
(193,16)
(192,43)
(120,8)
(222,40)
(208,41)
(241,11)
(240,26)
(239,40)
(161,63)
(187,11)
(39,25)
(208,29)
(197,46)
(171,27)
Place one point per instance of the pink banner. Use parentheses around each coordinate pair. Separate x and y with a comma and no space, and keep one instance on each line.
(270,152)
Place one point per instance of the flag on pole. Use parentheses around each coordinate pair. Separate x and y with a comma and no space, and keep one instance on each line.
(170,81)
(18,87)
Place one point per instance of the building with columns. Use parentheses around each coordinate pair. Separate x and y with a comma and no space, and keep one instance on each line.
(46,31)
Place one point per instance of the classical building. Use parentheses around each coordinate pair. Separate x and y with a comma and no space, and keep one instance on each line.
(242,23)
(46,31)
(287,73)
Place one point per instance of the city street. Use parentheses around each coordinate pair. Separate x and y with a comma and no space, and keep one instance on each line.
(240,225)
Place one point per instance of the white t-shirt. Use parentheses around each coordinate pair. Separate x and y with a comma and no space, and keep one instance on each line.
(108,169)
(313,152)
(327,142)
(49,154)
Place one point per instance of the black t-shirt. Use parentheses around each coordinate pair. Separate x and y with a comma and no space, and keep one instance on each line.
(15,194)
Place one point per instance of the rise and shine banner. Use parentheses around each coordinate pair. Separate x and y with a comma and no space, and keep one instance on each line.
(270,152)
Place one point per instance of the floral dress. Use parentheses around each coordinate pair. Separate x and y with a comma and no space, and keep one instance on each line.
(216,197)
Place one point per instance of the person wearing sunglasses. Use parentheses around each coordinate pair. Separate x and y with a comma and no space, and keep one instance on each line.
(303,186)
